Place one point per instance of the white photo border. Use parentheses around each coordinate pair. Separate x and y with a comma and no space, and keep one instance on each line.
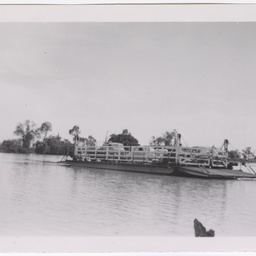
(127,13)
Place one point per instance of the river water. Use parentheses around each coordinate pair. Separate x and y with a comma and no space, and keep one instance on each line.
(40,198)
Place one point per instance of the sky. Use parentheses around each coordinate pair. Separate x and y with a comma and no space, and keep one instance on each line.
(197,78)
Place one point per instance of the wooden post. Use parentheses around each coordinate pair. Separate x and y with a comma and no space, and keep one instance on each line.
(76,147)
(106,150)
(119,154)
(200,230)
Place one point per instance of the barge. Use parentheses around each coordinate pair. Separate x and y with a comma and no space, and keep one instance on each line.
(175,160)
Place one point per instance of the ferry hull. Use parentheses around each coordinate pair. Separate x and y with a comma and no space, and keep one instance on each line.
(127,167)
(184,171)
(209,173)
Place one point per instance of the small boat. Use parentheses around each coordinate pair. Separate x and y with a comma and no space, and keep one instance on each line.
(176,160)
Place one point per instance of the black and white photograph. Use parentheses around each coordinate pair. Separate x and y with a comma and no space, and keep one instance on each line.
(128,129)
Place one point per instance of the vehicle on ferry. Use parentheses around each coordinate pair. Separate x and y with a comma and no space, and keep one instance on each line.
(145,153)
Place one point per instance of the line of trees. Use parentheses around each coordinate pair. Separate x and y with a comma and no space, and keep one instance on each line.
(33,139)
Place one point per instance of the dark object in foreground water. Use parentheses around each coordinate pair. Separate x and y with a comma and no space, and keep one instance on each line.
(200,230)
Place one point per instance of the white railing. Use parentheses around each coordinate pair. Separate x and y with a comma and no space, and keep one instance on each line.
(164,154)
(200,157)
(193,157)
(132,154)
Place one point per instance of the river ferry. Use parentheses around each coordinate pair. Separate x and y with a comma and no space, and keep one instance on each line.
(176,160)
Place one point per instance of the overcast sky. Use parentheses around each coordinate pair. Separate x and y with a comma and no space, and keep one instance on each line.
(198,78)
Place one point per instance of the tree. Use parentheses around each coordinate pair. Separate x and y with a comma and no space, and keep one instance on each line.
(13,146)
(125,138)
(45,128)
(54,145)
(90,141)
(164,140)
(75,131)
(157,141)
(27,132)
(234,154)
(41,147)
(247,153)
(125,132)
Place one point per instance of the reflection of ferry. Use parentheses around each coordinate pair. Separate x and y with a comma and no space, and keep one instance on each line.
(175,160)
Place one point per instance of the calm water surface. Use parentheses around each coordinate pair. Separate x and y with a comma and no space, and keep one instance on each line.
(38,197)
